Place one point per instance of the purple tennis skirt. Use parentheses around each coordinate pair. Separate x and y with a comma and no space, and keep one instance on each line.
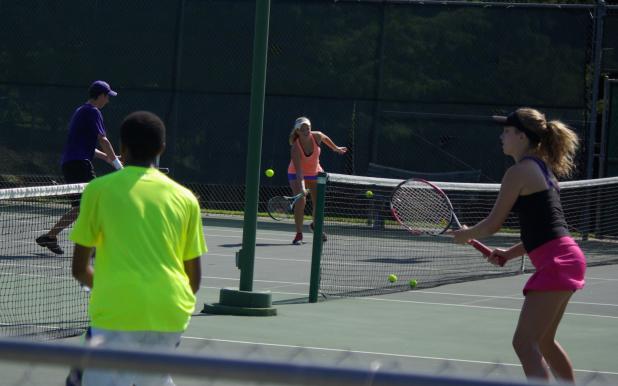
(292,177)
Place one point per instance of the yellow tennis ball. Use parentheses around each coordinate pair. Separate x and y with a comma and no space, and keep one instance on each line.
(369,194)
(269,173)
(392,278)
(413,283)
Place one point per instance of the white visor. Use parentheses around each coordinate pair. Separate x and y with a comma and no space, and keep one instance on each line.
(299,122)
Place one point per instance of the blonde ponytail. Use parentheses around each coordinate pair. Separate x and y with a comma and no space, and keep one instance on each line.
(556,144)
(558,148)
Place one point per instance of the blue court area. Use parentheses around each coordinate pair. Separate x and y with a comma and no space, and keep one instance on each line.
(461,329)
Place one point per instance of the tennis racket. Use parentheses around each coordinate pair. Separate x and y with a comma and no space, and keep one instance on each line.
(424,209)
(282,207)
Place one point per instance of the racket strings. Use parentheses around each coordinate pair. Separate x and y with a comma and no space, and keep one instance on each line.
(280,208)
(421,208)
(280,205)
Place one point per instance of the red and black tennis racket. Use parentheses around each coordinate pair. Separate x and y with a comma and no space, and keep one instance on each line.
(424,209)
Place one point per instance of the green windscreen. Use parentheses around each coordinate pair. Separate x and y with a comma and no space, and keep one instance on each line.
(389,80)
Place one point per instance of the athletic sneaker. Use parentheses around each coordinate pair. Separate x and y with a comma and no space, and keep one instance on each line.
(74,378)
(75,374)
(324,238)
(50,243)
(298,239)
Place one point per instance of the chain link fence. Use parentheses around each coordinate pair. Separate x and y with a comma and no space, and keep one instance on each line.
(403,85)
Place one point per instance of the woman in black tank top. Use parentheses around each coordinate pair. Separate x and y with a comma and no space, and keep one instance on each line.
(542,150)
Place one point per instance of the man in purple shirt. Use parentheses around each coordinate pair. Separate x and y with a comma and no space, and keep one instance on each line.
(86,129)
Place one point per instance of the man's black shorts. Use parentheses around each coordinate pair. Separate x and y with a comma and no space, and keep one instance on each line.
(77,172)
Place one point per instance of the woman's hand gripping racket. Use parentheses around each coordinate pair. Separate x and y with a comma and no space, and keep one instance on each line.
(282,207)
(424,209)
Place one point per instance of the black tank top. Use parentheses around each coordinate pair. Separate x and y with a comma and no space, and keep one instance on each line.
(541,218)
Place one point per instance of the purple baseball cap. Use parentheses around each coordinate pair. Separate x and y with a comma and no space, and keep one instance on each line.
(101,87)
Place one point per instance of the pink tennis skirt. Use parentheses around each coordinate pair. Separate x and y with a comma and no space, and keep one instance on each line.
(560,266)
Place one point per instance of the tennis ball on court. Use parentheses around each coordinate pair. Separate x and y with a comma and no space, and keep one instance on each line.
(392,278)
(269,173)
(413,283)
(369,194)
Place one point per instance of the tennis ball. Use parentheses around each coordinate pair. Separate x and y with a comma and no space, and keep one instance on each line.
(392,278)
(369,194)
(413,283)
(269,173)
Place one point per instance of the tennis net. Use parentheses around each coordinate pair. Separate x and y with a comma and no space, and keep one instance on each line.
(38,296)
(365,244)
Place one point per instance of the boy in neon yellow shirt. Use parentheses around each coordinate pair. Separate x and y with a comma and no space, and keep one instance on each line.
(147,231)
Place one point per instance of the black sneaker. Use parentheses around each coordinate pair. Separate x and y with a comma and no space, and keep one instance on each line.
(50,243)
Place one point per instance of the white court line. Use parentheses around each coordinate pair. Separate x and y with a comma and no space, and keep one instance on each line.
(38,276)
(508,298)
(255,280)
(600,278)
(240,238)
(257,257)
(239,231)
(435,304)
(420,292)
(376,353)
(481,307)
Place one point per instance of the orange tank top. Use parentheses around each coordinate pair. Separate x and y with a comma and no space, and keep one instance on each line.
(310,165)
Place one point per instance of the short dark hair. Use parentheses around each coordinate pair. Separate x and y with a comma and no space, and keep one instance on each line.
(143,133)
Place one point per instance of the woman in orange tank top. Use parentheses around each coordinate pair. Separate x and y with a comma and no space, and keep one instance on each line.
(304,167)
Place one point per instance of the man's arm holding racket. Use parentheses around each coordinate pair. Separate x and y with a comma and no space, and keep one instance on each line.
(108,150)
(100,155)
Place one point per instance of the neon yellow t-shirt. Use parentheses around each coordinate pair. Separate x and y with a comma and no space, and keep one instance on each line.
(144,226)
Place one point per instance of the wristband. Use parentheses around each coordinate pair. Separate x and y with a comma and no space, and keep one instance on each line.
(116,163)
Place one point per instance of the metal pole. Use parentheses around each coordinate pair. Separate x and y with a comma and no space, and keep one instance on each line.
(254,145)
(316,256)
(374,133)
(599,15)
(603,147)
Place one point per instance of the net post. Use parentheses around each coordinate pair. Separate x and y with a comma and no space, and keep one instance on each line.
(522,267)
(246,301)
(316,255)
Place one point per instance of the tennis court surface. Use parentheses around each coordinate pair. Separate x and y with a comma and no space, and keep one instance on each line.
(461,329)
(458,321)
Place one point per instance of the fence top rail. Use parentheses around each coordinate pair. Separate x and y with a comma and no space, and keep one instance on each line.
(482,4)
(238,369)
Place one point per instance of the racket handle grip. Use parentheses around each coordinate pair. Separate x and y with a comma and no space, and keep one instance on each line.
(484,249)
